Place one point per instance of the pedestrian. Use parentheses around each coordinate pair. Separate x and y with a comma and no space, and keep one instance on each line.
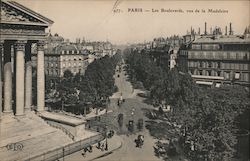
(84,153)
(106,146)
(90,149)
(102,147)
(99,145)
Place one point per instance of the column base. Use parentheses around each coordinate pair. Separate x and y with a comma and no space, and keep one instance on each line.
(27,109)
(40,109)
(19,116)
(10,112)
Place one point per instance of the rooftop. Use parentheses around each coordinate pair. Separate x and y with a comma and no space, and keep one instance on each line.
(222,39)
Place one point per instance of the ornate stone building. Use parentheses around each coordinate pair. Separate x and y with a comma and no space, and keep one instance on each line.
(20,29)
(215,58)
(65,57)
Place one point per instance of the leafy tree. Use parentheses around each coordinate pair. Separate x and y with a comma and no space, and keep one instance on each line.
(207,116)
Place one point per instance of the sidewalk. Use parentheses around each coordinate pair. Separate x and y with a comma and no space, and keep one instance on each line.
(88,116)
(113,144)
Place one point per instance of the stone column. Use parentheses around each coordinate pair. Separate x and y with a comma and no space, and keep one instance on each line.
(20,52)
(28,78)
(1,102)
(7,79)
(40,76)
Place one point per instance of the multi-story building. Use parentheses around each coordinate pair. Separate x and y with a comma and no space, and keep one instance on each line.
(65,57)
(62,55)
(215,58)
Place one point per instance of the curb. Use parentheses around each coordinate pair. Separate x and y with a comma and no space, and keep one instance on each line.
(107,153)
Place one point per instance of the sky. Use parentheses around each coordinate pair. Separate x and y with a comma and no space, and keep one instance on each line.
(96,20)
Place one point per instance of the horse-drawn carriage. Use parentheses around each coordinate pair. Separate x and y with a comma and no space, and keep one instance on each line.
(139,141)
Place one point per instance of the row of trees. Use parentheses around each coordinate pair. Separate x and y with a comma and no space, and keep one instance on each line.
(206,115)
(164,85)
(93,88)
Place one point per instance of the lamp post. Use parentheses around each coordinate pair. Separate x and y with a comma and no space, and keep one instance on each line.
(106,135)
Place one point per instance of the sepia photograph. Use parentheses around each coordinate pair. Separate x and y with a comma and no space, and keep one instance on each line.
(124,80)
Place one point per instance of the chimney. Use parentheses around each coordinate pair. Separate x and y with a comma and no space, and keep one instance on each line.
(226,30)
(199,31)
(211,31)
(230,29)
(205,28)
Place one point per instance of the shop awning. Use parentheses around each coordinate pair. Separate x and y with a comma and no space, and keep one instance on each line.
(204,83)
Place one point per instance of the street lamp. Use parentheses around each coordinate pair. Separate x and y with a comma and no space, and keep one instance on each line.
(106,138)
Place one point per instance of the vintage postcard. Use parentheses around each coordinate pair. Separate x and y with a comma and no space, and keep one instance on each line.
(124,80)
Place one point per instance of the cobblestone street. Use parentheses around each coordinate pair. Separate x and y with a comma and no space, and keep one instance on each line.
(129,151)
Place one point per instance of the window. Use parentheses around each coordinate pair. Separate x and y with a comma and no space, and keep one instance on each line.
(218,73)
(245,57)
(209,72)
(226,75)
(218,65)
(245,66)
(237,56)
(209,64)
(232,66)
(200,64)
(228,55)
(236,66)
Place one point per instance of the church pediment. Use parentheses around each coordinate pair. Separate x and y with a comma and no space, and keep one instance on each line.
(14,13)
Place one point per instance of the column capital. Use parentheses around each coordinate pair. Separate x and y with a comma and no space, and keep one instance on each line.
(20,45)
(40,45)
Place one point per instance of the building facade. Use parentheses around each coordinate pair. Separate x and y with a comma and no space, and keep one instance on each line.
(64,57)
(217,58)
(20,29)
